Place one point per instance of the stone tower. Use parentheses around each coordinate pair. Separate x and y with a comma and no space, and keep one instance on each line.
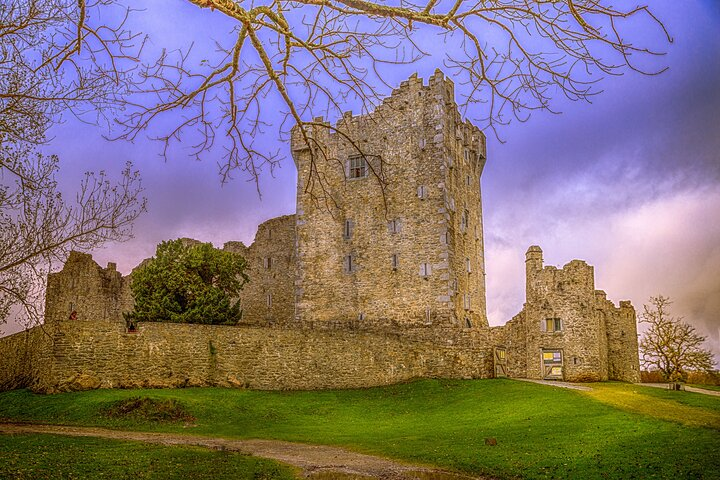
(389,215)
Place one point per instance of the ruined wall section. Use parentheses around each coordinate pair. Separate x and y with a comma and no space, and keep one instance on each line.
(513,337)
(269,297)
(622,341)
(93,292)
(598,340)
(399,240)
(567,294)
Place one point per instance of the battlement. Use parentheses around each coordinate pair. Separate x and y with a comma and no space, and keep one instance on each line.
(575,278)
(413,94)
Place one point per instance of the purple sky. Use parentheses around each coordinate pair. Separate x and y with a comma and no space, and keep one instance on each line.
(630,183)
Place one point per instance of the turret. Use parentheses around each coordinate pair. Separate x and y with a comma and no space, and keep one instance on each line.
(533,265)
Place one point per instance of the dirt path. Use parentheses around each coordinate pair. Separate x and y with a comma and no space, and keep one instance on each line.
(316,461)
(557,383)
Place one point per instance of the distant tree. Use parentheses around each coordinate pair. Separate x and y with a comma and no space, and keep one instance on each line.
(189,282)
(670,345)
(52,64)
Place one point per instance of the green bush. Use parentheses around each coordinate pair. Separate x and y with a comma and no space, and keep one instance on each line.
(189,283)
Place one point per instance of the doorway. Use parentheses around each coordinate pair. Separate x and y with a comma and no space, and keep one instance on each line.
(552,364)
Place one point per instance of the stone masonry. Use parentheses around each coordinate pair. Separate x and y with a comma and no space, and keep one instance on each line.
(393,236)
(378,278)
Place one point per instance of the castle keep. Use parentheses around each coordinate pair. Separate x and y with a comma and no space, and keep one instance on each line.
(378,278)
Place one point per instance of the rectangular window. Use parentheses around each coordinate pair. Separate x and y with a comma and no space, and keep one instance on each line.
(394,226)
(553,325)
(358,167)
(468,265)
(467,155)
(422,144)
(348,229)
(422,192)
(464,221)
(445,238)
(267,263)
(425,269)
(468,323)
(269,300)
(395,261)
(428,318)
(468,180)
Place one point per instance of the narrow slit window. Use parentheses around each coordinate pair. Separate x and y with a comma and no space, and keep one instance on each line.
(395,261)
(347,229)
(268,300)
(468,265)
(349,264)
(267,263)
(425,269)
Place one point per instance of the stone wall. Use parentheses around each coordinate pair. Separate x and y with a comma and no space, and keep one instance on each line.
(25,358)
(622,339)
(393,246)
(87,354)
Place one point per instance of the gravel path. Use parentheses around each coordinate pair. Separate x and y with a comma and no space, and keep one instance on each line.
(316,461)
(687,388)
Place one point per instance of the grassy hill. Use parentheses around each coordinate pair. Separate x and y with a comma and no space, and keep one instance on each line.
(614,431)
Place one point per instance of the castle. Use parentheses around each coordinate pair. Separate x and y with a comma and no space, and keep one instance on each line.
(379,277)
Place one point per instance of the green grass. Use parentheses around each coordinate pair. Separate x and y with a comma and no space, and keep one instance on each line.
(48,456)
(617,431)
(706,387)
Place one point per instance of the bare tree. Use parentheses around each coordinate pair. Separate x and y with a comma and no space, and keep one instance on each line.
(50,64)
(314,56)
(670,345)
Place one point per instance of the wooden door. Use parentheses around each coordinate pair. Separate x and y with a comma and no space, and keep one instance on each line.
(500,357)
(552,364)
